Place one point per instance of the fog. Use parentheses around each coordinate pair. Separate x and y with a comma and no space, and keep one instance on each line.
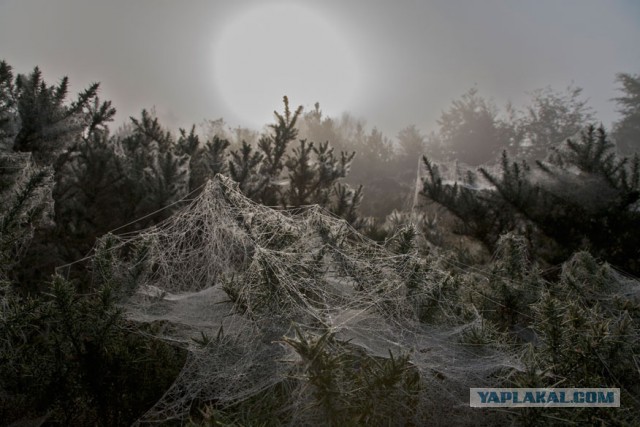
(402,62)
(319,212)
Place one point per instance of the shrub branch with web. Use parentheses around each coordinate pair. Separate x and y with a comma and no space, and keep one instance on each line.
(298,313)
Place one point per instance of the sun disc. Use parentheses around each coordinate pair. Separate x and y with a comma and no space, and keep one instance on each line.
(282,49)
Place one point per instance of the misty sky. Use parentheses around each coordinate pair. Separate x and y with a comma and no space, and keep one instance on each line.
(393,63)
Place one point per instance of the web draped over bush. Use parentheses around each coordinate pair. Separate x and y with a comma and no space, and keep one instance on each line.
(266,301)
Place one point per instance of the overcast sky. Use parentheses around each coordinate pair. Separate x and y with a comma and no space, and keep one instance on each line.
(393,63)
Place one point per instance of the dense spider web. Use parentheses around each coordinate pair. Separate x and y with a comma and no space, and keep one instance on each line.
(227,279)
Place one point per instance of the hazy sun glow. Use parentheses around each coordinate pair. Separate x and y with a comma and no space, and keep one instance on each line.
(283,49)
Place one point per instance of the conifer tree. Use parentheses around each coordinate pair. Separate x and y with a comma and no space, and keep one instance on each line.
(156,169)
(91,195)
(581,198)
(38,119)
(188,144)
(273,148)
(109,182)
(47,124)
(9,116)
(480,213)
(25,200)
(312,172)
(346,204)
(276,175)
(205,160)
(244,165)
(214,156)
(259,171)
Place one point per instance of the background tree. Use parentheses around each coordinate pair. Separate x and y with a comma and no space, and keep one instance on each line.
(274,147)
(469,130)
(375,165)
(315,126)
(159,168)
(411,148)
(474,131)
(376,169)
(548,120)
(626,132)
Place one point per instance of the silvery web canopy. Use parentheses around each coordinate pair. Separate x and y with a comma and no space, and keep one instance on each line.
(234,282)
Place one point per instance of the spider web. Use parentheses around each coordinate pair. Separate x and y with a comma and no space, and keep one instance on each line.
(228,280)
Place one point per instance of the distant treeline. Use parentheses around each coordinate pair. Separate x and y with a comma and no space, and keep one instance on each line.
(135,177)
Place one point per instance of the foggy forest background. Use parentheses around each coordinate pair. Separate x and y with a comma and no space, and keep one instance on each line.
(538,197)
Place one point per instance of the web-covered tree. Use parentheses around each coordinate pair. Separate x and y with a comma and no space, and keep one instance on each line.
(599,194)
(626,132)
(480,212)
(582,197)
